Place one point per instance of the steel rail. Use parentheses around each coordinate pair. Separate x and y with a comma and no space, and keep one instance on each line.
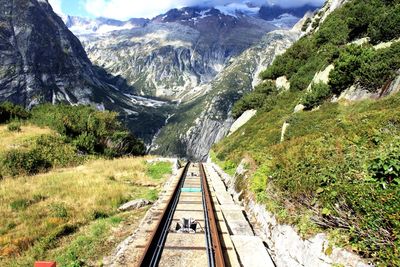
(213,242)
(154,247)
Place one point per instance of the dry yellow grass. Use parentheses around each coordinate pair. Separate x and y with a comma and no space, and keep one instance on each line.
(33,207)
(27,134)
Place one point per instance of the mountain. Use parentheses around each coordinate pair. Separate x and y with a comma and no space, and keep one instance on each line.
(179,57)
(42,61)
(176,52)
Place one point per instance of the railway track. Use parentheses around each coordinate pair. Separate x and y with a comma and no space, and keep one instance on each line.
(187,233)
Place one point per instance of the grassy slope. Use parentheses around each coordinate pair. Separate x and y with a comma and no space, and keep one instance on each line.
(69,214)
(323,170)
(23,138)
(339,167)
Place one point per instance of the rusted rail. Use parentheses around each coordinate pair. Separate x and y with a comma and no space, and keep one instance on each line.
(153,250)
(215,255)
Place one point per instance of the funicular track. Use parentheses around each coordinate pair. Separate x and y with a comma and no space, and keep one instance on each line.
(208,236)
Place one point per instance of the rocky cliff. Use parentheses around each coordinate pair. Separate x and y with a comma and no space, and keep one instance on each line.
(42,61)
(198,124)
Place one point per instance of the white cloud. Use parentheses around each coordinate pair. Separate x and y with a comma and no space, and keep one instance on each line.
(296,3)
(124,9)
(56,5)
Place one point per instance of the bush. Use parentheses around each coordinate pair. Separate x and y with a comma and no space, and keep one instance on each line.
(18,162)
(344,74)
(334,30)
(47,152)
(306,24)
(385,168)
(14,127)
(9,111)
(54,150)
(58,210)
(85,142)
(294,58)
(385,25)
(91,131)
(364,65)
(259,98)
(19,204)
(318,94)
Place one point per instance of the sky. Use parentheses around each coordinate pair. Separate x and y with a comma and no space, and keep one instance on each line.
(125,9)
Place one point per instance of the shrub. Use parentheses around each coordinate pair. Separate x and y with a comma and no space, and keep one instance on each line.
(10,111)
(288,63)
(385,168)
(48,151)
(385,25)
(306,24)
(85,142)
(14,127)
(54,150)
(18,162)
(344,74)
(259,98)
(91,131)
(319,92)
(364,65)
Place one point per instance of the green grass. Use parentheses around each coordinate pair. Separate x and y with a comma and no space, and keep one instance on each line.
(158,170)
(68,214)
(340,163)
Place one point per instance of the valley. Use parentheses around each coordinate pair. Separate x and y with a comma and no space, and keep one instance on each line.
(294,107)
(187,58)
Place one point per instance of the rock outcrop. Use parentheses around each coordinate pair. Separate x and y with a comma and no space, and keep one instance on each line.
(42,61)
(242,120)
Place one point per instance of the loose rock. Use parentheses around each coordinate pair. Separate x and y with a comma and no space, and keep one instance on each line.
(134,204)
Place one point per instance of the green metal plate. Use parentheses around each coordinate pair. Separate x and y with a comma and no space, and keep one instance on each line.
(191,189)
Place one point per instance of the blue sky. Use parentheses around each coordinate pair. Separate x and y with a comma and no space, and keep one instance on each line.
(125,9)
(74,7)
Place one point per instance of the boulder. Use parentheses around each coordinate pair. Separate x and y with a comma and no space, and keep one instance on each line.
(298,108)
(282,83)
(134,204)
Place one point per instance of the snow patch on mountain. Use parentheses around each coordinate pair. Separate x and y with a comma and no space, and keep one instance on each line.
(235,9)
(86,26)
(285,21)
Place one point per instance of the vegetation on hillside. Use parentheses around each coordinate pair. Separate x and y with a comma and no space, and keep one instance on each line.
(364,65)
(76,133)
(70,215)
(338,168)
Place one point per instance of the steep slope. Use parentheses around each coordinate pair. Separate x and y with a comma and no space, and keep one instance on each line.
(42,61)
(332,167)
